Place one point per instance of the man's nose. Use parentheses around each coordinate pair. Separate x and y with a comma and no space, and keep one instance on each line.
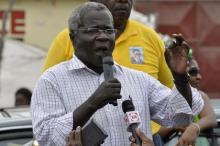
(198,76)
(102,35)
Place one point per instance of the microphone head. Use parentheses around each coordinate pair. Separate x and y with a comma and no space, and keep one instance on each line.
(127,106)
(107,60)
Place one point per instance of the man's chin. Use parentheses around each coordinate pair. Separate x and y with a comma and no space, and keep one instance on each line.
(98,62)
(120,16)
(196,86)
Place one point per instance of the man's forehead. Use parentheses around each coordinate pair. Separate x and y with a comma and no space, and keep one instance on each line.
(98,17)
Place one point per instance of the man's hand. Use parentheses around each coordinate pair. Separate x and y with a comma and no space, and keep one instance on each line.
(189,136)
(145,140)
(107,92)
(177,59)
(176,56)
(74,138)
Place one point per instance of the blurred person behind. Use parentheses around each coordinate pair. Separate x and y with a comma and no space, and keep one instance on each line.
(206,118)
(23,97)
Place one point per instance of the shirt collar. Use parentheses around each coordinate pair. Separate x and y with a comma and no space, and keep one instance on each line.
(76,63)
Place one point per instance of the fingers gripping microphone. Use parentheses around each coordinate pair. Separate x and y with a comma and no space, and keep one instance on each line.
(132,119)
(108,71)
(107,67)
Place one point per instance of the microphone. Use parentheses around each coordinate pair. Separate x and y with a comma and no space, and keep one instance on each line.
(108,71)
(132,119)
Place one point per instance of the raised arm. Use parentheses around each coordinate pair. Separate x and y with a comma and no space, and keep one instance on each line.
(176,57)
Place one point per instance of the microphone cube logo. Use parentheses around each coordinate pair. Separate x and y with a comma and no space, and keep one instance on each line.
(132,117)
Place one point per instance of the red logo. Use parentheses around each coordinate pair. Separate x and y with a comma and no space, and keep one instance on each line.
(134,117)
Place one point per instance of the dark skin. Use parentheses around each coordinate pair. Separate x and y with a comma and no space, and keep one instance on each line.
(89,49)
(21,100)
(120,10)
(144,139)
(176,59)
(74,138)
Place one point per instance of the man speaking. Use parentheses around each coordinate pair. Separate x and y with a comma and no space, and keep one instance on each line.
(71,93)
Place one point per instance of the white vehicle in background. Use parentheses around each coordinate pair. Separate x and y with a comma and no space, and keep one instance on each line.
(16,127)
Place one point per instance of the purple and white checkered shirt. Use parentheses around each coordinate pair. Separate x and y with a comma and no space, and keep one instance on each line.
(64,87)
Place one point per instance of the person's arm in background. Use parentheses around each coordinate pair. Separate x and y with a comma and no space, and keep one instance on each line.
(207,120)
(207,115)
(60,50)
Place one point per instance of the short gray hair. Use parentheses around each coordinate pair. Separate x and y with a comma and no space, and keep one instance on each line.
(75,19)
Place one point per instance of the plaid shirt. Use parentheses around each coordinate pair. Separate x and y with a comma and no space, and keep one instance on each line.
(64,87)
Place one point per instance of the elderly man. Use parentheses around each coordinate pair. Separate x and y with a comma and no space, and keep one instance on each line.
(131,35)
(69,94)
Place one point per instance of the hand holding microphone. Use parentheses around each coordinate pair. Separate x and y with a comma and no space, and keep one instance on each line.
(145,140)
(108,72)
(107,92)
(132,119)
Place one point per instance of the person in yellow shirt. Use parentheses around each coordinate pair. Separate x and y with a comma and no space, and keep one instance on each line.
(131,36)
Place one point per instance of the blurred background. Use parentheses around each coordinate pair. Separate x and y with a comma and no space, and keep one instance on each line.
(29,26)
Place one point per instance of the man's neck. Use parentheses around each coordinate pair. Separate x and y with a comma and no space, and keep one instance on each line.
(97,69)
(120,27)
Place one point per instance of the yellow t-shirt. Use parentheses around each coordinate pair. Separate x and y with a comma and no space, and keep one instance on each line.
(135,37)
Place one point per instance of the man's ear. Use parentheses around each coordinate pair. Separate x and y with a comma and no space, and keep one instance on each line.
(72,36)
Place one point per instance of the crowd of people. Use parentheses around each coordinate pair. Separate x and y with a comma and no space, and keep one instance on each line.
(72,89)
